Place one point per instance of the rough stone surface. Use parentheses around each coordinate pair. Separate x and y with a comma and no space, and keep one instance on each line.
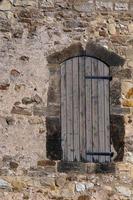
(35,37)
(4,184)
(117,135)
(80,187)
(111,186)
(84,6)
(124,191)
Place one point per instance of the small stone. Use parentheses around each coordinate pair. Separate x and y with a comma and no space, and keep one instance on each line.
(18,184)
(13,165)
(129,93)
(115,92)
(68,190)
(10,121)
(100,195)
(129,53)
(17,32)
(46,163)
(26,195)
(123,167)
(103,33)
(124,73)
(80,187)
(24,3)
(14,73)
(48,182)
(131,171)
(5,5)
(35,120)
(37,99)
(89,186)
(1,163)
(21,111)
(39,110)
(115,197)
(17,103)
(4,184)
(27,100)
(130,64)
(121,6)
(127,102)
(19,87)
(41,130)
(4,86)
(24,58)
(72,177)
(124,191)
(90,168)
(108,188)
(47,3)
(60,181)
(100,5)
(84,197)
(7,158)
(129,157)
(84,6)
(130,28)
(112,29)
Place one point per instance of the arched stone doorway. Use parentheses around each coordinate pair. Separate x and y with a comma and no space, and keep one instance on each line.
(53,120)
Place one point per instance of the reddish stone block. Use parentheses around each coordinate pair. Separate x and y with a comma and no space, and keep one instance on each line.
(43,163)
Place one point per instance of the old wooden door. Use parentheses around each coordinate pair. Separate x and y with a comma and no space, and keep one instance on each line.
(85,124)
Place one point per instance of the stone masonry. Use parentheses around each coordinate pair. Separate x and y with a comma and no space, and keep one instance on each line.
(31,32)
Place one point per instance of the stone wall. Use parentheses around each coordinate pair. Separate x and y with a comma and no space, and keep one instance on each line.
(31,31)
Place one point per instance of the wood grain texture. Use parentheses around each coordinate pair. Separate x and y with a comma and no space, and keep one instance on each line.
(76,119)
(107,120)
(88,87)
(69,91)
(95,114)
(82,107)
(101,111)
(63,112)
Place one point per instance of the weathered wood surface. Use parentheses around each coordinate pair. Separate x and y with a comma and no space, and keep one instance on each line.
(88,85)
(69,101)
(76,119)
(82,107)
(84,110)
(63,112)
(107,120)
(95,113)
(101,111)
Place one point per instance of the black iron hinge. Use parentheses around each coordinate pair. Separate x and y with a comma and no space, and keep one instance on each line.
(99,77)
(100,153)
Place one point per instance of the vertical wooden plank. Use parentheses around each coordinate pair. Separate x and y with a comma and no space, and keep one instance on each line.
(95,114)
(82,107)
(101,111)
(88,88)
(106,117)
(63,112)
(69,89)
(76,109)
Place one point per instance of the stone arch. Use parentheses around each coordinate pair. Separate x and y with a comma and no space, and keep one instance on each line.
(91,49)
(53,105)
